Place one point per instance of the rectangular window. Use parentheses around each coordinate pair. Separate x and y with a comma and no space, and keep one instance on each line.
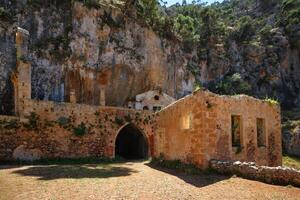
(187,122)
(236,129)
(261,132)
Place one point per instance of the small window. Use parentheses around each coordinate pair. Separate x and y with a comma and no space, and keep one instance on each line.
(145,108)
(156,97)
(187,122)
(261,132)
(236,129)
(156,108)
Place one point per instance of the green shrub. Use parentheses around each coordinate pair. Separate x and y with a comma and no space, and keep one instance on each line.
(271,101)
(33,122)
(233,84)
(128,118)
(119,121)
(91,3)
(290,19)
(80,130)
(245,29)
(35,3)
(265,33)
(5,15)
(9,124)
(64,121)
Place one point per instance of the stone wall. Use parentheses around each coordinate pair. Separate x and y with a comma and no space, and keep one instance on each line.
(48,130)
(273,175)
(197,129)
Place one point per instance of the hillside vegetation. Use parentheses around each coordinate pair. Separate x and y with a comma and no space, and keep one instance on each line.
(235,47)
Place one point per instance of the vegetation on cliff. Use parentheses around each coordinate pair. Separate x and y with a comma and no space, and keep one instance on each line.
(213,31)
(233,47)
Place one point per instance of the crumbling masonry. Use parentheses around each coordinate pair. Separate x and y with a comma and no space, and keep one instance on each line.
(195,129)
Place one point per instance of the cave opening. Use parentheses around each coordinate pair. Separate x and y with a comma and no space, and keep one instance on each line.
(131,143)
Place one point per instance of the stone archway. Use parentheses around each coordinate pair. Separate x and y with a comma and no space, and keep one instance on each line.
(131,143)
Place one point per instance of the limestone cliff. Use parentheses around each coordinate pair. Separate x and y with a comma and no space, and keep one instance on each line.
(77,47)
(73,47)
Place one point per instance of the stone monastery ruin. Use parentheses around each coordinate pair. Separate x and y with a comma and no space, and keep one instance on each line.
(195,129)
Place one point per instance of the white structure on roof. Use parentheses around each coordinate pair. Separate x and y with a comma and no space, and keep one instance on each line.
(151,100)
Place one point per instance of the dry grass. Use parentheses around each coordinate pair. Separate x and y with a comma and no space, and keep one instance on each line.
(289,161)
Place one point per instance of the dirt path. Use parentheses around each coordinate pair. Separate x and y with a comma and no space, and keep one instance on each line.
(132,180)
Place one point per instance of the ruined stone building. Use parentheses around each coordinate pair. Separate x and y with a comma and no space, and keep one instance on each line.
(152,100)
(195,129)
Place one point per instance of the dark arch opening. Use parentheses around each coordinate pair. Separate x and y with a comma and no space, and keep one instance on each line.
(131,143)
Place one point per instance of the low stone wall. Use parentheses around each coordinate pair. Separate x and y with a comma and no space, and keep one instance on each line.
(65,130)
(273,175)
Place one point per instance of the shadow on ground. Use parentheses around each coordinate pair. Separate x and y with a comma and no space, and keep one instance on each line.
(200,179)
(74,171)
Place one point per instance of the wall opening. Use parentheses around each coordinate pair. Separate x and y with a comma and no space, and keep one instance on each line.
(261,132)
(131,143)
(236,128)
(156,108)
(186,122)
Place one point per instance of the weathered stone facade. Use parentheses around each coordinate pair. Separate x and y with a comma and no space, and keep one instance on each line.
(52,131)
(198,128)
(195,129)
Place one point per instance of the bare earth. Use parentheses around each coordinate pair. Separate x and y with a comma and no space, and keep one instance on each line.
(131,180)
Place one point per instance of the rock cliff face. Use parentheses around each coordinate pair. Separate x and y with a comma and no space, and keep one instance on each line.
(270,70)
(73,47)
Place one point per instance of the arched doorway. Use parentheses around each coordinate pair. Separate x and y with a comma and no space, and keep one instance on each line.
(131,143)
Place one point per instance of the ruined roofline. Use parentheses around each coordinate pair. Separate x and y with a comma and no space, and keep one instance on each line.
(208,93)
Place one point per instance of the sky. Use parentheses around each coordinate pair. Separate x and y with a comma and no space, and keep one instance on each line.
(171,2)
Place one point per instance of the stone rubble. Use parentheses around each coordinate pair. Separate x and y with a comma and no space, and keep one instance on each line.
(273,175)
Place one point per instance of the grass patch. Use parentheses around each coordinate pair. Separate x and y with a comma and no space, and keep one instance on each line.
(271,101)
(289,161)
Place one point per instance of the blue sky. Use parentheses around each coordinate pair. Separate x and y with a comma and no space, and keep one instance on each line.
(171,2)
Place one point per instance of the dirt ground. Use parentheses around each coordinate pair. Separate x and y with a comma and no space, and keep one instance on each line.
(130,180)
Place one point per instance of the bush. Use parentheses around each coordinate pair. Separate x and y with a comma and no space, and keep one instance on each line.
(290,19)
(233,84)
(9,124)
(5,15)
(33,122)
(265,33)
(80,130)
(91,3)
(119,121)
(271,101)
(63,121)
(245,29)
